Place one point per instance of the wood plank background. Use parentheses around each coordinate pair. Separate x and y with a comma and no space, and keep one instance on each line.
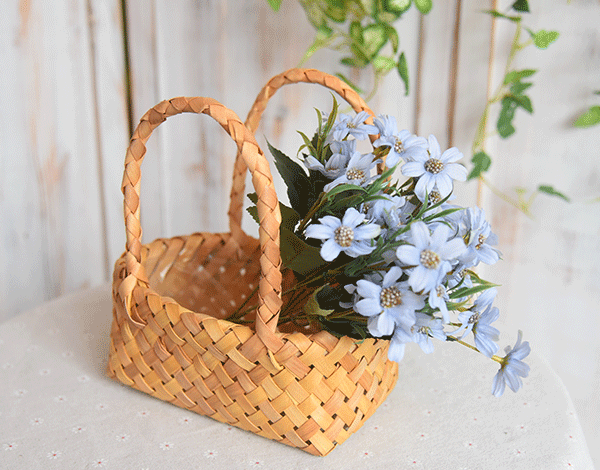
(66,120)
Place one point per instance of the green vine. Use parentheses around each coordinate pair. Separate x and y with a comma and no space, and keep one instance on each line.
(360,30)
(511,95)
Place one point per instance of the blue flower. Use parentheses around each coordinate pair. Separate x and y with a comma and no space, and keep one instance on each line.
(435,170)
(478,236)
(430,254)
(336,165)
(421,332)
(479,319)
(387,304)
(357,171)
(402,144)
(512,368)
(347,235)
(355,126)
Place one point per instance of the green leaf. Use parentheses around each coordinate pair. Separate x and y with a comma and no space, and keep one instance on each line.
(312,307)
(481,162)
(441,214)
(374,37)
(393,37)
(397,6)
(337,3)
(542,39)
(296,180)
(467,291)
(552,192)
(517,88)
(590,118)
(522,101)
(336,14)
(507,114)
(517,75)
(521,5)
(383,64)
(289,217)
(354,62)
(274,4)
(298,255)
(403,72)
(424,6)
(497,14)
(331,118)
(355,31)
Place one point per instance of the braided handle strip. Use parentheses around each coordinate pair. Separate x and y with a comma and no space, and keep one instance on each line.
(252,121)
(268,207)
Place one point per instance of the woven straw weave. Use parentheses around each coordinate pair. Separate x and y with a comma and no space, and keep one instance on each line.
(168,336)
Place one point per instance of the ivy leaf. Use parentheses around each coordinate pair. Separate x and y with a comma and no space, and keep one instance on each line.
(296,180)
(542,39)
(383,64)
(517,75)
(481,162)
(403,72)
(552,192)
(393,37)
(517,88)
(274,4)
(521,5)
(355,31)
(590,118)
(522,101)
(374,37)
(424,6)
(507,114)
(397,6)
(336,13)
(497,14)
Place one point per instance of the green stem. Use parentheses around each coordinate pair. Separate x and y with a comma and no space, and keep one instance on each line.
(498,359)
(313,210)
(373,92)
(523,207)
(317,45)
(238,313)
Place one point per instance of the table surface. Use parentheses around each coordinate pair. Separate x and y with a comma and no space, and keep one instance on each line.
(58,409)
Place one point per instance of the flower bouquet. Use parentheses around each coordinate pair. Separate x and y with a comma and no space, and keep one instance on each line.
(373,257)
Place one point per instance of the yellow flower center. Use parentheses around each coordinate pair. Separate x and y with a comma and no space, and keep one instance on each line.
(343,236)
(434,197)
(390,297)
(481,240)
(430,259)
(433,165)
(355,174)
(398,146)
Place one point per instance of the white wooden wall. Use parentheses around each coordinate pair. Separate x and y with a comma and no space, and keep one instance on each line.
(64,128)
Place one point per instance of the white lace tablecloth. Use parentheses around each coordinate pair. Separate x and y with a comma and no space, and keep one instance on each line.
(59,410)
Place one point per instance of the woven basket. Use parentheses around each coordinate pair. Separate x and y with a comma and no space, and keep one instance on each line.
(168,338)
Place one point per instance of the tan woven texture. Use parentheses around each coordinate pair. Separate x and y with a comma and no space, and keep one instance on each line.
(168,336)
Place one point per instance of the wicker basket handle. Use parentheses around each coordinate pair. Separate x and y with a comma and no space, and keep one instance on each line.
(268,207)
(253,120)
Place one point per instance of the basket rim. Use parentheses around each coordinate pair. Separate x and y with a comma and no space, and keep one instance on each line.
(149,289)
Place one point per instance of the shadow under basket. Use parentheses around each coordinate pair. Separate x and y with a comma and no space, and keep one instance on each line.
(307,389)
